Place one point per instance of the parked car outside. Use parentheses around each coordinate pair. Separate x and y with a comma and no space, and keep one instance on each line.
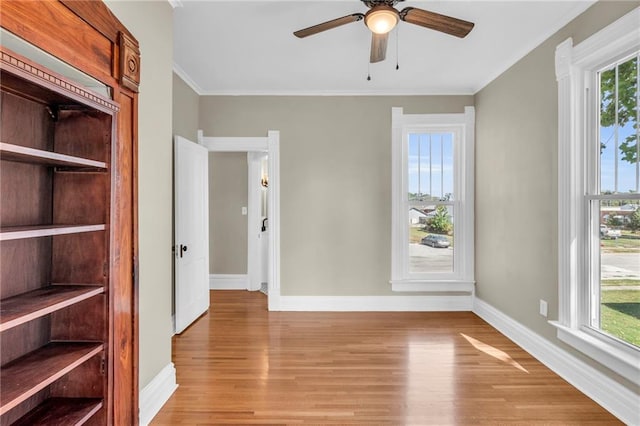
(606,232)
(439,241)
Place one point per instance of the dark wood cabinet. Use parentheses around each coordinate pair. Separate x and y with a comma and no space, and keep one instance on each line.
(68,235)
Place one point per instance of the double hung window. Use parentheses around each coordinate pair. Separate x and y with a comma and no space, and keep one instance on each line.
(599,195)
(432,201)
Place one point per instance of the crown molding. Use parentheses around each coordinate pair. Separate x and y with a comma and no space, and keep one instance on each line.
(187,79)
(336,93)
(408,92)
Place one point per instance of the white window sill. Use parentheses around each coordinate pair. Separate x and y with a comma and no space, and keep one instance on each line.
(433,285)
(624,362)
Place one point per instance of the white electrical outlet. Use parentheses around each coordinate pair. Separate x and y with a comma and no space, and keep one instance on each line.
(543,308)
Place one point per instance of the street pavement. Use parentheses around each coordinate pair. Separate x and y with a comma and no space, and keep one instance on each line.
(620,266)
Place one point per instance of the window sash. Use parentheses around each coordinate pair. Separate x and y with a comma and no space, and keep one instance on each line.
(592,287)
(456,133)
(441,275)
(593,119)
(589,313)
(445,179)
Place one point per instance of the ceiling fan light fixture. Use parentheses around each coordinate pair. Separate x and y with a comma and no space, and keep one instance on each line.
(381,19)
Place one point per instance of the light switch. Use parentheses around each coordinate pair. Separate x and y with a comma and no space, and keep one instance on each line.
(244,211)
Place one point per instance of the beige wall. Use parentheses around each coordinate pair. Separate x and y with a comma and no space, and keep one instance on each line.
(516,179)
(152,24)
(228,173)
(335,181)
(185,110)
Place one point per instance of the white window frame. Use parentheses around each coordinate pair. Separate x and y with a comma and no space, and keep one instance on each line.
(576,70)
(463,128)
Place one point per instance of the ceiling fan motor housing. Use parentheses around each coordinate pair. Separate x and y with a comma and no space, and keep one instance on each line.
(372,3)
(381,19)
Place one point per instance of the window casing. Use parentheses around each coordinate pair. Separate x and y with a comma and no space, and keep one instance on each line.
(582,192)
(432,174)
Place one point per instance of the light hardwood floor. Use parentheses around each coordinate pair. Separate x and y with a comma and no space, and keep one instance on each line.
(240,364)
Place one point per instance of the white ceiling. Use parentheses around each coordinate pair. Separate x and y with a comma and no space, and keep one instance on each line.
(247,47)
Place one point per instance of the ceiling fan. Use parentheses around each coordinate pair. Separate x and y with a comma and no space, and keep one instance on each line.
(382,17)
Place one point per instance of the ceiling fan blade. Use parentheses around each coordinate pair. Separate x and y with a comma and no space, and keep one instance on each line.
(378,47)
(354,17)
(436,21)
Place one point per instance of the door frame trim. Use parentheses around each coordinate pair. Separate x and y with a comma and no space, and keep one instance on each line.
(271,145)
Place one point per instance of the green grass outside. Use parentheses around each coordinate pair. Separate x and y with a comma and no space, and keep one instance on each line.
(620,245)
(416,234)
(620,282)
(620,314)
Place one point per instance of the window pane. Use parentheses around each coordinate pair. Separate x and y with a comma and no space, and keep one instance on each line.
(430,238)
(619,148)
(616,296)
(430,166)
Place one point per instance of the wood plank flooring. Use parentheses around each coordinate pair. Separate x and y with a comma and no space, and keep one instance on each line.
(240,364)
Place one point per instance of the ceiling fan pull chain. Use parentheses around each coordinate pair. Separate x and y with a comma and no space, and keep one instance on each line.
(397,50)
(368,71)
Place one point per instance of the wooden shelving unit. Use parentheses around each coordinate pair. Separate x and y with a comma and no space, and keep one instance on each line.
(61,411)
(22,232)
(55,179)
(68,215)
(31,373)
(30,155)
(37,303)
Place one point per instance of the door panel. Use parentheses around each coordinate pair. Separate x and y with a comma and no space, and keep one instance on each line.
(191,232)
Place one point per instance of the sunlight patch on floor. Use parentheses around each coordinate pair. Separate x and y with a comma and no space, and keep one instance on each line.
(494,352)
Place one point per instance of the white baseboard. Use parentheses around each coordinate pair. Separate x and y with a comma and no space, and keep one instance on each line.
(617,399)
(228,281)
(374,303)
(156,393)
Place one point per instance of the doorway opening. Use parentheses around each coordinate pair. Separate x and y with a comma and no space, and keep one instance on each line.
(263,211)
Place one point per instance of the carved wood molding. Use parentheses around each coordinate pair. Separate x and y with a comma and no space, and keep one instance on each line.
(15,64)
(129,62)
(99,17)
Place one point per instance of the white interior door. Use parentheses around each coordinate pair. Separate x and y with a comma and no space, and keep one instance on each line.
(191,177)
(254,221)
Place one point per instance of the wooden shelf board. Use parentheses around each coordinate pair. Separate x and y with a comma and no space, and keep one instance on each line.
(61,411)
(31,155)
(20,232)
(34,304)
(25,376)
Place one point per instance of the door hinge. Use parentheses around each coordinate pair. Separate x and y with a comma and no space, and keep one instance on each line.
(102,365)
